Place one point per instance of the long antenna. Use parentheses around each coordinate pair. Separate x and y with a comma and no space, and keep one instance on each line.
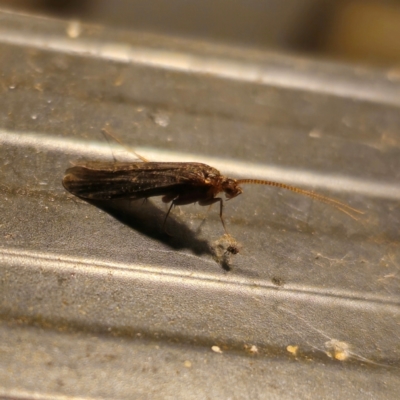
(324,199)
(107,131)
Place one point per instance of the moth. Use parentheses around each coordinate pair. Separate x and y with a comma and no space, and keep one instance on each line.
(179,183)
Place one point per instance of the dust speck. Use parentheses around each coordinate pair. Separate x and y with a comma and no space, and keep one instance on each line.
(292,349)
(74,29)
(338,350)
(216,349)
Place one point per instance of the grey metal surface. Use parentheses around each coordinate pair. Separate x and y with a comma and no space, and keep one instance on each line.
(101,304)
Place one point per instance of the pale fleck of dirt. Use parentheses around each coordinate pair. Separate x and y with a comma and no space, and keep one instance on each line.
(161,119)
(292,349)
(315,133)
(253,349)
(338,350)
(216,349)
(74,29)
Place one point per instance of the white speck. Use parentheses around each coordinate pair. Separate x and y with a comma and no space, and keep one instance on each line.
(12,87)
(34,116)
(74,29)
(216,349)
(253,349)
(161,119)
(187,364)
(315,133)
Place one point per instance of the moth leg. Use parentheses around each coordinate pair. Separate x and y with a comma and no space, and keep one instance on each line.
(166,216)
(210,202)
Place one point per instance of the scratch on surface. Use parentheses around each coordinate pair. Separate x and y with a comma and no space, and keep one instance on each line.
(174,253)
(389,276)
(331,261)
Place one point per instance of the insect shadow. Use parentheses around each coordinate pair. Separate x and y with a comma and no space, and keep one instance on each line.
(145,217)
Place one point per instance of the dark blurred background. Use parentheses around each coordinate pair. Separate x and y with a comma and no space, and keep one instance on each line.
(366,31)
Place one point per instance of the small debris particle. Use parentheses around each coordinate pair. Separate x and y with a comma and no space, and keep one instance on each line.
(223,249)
(187,364)
(277,281)
(315,133)
(292,349)
(338,350)
(161,118)
(253,349)
(74,29)
(216,349)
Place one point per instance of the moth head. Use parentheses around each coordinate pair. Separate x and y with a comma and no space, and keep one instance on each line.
(231,188)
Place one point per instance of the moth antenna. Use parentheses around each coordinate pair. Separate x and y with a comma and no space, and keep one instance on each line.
(324,199)
(107,132)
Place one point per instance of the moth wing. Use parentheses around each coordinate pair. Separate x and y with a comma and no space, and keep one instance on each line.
(105,181)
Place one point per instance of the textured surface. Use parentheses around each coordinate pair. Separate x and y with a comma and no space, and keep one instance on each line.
(100,303)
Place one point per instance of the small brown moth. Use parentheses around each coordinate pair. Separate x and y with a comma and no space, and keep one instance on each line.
(177,182)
